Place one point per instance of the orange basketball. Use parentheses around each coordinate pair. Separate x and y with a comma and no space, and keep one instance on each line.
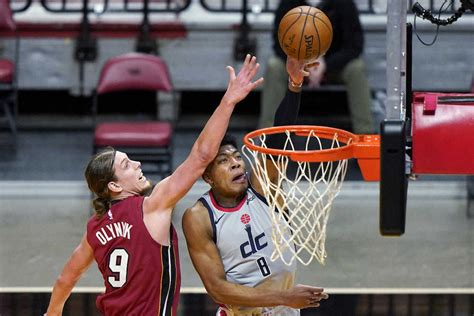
(305,33)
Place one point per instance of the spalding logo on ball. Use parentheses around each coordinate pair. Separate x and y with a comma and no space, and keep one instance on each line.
(305,33)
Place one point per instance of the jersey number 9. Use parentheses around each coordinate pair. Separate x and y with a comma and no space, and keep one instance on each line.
(118,264)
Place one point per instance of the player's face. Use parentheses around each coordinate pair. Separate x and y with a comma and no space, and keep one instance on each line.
(129,174)
(227,173)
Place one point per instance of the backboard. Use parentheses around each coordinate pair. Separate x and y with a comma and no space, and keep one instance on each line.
(393,130)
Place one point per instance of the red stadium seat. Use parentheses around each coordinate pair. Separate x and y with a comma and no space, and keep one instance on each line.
(8,71)
(148,142)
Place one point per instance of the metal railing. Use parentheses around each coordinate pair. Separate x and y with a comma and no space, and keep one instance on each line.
(364,6)
(103,6)
(20,5)
(229,6)
(115,6)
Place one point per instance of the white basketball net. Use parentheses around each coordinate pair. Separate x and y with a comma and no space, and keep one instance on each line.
(299,207)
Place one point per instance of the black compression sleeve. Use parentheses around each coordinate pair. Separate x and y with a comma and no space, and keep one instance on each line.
(286,114)
(287,111)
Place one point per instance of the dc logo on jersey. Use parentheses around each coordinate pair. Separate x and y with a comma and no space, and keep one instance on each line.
(253,245)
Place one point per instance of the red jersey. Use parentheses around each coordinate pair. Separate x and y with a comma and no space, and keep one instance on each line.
(141,276)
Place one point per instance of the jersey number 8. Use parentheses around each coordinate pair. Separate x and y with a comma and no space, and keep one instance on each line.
(263,265)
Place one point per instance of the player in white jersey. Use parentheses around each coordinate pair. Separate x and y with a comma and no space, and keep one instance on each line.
(228,232)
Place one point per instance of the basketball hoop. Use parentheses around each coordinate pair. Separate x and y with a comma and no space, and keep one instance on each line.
(300,205)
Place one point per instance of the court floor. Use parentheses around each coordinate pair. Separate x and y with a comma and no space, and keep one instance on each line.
(42,221)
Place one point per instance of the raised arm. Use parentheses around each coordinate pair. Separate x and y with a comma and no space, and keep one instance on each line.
(169,191)
(205,257)
(286,113)
(77,264)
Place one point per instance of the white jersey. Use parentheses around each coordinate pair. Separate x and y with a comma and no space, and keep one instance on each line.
(243,236)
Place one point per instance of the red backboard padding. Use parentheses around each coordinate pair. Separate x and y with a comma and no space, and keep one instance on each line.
(443,133)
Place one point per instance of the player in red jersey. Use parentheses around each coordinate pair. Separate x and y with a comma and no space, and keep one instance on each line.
(131,236)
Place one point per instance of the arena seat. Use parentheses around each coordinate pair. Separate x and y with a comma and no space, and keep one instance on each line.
(149,142)
(8,71)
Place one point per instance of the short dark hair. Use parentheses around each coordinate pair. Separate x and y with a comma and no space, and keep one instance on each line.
(229,140)
(226,140)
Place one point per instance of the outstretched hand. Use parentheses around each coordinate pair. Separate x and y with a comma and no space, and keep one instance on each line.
(297,70)
(316,74)
(240,86)
(304,296)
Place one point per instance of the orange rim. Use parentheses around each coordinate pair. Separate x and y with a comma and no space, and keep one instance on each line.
(366,148)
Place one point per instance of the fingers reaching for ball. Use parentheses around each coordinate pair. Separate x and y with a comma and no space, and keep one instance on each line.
(296,69)
(312,64)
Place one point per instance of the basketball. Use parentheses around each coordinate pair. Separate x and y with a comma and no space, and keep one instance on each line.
(305,33)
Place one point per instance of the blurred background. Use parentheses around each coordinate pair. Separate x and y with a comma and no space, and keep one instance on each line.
(51,56)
